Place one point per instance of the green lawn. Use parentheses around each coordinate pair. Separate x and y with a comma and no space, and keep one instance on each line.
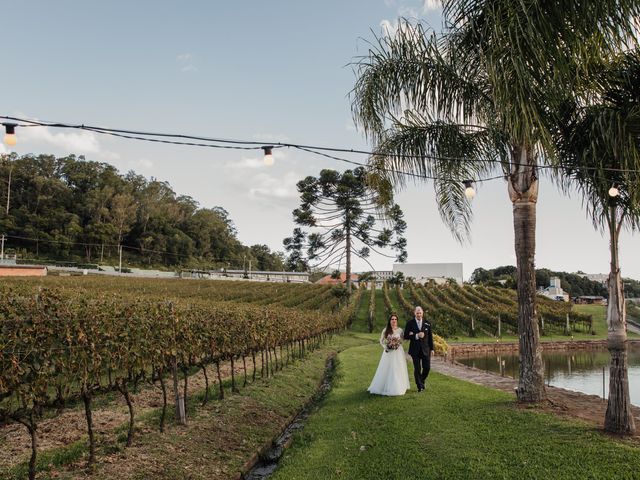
(454,430)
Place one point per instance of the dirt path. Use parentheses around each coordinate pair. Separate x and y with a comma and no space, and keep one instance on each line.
(589,408)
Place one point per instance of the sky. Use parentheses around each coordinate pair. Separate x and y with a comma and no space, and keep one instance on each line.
(269,71)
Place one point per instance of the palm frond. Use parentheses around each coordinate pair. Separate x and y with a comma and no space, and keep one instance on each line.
(450,154)
(413,71)
(599,145)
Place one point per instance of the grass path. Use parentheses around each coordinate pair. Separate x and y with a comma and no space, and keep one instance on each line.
(360,322)
(453,430)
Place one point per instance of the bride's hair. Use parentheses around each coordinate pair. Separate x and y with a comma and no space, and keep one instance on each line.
(388,331)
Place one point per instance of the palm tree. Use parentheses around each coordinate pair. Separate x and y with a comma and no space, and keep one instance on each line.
(453,107)
(599,146)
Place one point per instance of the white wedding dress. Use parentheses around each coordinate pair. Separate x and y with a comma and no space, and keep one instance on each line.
(392,376)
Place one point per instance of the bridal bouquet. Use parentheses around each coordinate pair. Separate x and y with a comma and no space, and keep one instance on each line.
(392,343)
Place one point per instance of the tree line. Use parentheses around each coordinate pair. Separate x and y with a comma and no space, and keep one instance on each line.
(575,284)
(73,209)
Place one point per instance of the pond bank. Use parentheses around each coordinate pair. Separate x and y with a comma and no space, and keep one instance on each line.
(457,349)
(589,408)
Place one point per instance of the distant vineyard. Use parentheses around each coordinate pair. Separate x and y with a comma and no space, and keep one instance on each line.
(478,310)
(633,312)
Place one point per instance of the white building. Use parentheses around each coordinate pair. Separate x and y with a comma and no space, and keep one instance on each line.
(382,275)
(601,278)
(255,275)
(424,272)
(554,291)
(421,272)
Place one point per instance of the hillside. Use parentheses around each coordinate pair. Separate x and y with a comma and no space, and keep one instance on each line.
(74,210)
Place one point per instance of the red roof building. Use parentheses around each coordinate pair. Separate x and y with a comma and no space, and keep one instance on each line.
(328,280)
(23,270)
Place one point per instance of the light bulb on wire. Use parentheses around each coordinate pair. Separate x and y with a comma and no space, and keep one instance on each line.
(268,156)
(10,134)
(469,191)
(614,192)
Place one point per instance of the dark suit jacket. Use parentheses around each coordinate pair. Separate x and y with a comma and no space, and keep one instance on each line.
(419,345)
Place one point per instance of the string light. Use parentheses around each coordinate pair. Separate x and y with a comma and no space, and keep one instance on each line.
(10,135)
(268,155)
(469,191)
(613,191)
(268,150)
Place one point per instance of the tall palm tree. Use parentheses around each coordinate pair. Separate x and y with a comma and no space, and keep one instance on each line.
(455,105)
(599,147)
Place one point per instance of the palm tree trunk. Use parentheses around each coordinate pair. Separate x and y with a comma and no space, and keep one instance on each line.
(619,417)
(523,190)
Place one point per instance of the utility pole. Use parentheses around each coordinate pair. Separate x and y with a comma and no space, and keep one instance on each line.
(9,189)
(7,210)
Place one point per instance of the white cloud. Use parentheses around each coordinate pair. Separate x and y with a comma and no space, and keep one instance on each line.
(141,163)
(265,185)
(430,5)
(257,162)
(186,62)
(411,12)
(79,142)
(391,28)
(3,149)
(408,12)
(246,163)
(249,176)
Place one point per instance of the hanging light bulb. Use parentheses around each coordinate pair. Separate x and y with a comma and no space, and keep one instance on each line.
(613,191)
(469,191)
(10,135)
(268,156)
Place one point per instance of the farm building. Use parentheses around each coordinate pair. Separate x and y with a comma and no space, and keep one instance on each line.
(423,272)
(554,291)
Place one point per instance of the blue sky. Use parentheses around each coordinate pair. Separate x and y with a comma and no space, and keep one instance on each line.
(256,70)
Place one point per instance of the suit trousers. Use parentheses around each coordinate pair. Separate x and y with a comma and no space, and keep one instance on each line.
(421,367)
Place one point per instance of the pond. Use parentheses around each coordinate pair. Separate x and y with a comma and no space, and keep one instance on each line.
(578,370)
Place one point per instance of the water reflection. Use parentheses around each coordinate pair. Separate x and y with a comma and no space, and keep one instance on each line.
(579,370)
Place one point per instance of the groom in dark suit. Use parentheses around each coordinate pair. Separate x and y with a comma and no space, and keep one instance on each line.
(418,332)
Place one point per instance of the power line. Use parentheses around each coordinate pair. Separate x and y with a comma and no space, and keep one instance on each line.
(249,145)
(113,245)
(390,170)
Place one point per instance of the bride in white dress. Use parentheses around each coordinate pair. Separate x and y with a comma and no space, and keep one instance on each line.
(392,376)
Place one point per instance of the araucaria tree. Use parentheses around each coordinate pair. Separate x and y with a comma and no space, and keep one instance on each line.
(479,97)
(345,216)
